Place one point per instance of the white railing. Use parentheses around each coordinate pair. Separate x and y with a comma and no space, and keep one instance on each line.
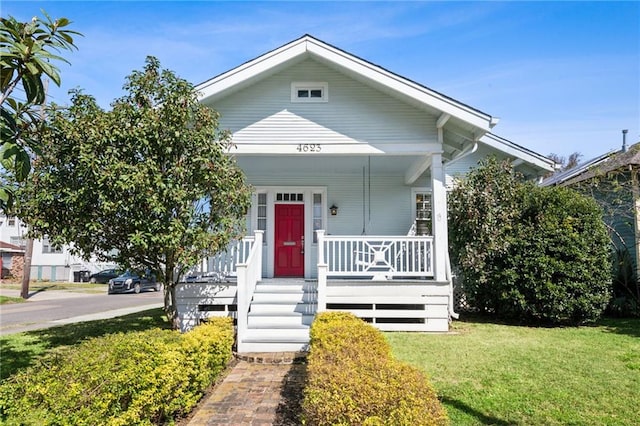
(379,257)
(249,273)
(225,262)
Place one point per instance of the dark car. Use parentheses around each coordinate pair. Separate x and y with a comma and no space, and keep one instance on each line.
(104,276)
(131,282)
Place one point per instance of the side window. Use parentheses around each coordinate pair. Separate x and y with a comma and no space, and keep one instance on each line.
(317,215)
(262,213)
(422,212)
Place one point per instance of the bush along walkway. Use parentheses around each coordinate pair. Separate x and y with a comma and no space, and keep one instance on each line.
(261,389)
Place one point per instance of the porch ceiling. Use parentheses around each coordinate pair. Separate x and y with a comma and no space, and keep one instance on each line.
(317,164)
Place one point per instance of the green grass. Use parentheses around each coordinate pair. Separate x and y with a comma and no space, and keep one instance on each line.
(37,286)
(493,374)
(7,299)
(20,350)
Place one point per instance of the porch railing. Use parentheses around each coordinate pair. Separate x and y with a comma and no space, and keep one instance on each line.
(249,273)
(375,257)
(225,262)
(380,256)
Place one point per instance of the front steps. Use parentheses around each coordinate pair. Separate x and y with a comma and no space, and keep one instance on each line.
(280,315)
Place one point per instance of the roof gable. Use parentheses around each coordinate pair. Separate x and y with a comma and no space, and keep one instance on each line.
(307,46)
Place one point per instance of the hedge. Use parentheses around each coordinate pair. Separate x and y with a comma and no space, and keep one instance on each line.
(141,378)
(354,380)
(530,254)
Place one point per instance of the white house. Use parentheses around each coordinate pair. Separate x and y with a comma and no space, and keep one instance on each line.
(350,165)
(48,262)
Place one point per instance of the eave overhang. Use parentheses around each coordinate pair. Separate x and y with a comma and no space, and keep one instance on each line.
(472,120)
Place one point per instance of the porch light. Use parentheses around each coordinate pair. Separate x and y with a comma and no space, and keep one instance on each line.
(333,209)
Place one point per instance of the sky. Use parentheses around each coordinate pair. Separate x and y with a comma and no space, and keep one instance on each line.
(563,77)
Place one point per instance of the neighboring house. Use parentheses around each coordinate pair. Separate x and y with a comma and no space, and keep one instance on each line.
(48,263)
(350,165)
(613,179)
(7,254)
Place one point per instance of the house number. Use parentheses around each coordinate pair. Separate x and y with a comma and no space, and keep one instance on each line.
(309,148)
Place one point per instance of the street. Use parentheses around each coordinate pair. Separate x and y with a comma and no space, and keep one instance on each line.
(51,308)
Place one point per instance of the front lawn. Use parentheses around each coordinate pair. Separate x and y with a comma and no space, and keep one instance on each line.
(496,374)
(7,299)
(38,286)
(20,350)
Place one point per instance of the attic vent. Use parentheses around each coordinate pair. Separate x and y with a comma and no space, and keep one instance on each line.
(309,92)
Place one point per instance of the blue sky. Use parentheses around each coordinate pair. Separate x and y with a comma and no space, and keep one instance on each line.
(561,76)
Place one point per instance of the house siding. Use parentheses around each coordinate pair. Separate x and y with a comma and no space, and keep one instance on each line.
(263,113)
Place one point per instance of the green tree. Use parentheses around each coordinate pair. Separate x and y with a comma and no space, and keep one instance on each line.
(149,184)
(26,58)
(538,254)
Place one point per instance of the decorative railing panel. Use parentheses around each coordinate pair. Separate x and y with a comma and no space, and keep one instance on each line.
(380,257)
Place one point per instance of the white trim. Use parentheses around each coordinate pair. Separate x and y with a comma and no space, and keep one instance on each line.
(309,85)
(376,76)
(310,248)
(514,150)
(414,192)
(417,148)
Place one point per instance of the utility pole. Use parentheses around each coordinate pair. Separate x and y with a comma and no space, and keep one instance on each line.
(28,251)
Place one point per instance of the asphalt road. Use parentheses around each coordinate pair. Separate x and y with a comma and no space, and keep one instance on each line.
(51,308)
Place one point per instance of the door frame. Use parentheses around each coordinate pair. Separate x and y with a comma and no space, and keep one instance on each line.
(310,248)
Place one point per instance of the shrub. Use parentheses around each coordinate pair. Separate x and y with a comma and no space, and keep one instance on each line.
(147,377)
(353,379)
(526,252)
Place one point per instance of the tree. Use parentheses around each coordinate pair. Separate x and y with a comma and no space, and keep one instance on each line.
(149,184)
(26,56)
(565,163)
(538,254)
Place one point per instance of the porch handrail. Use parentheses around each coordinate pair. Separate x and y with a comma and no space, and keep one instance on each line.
(225,262)
(378,256)
(248,273)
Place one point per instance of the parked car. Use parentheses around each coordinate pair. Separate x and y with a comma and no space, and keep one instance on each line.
(104,276)
(131,282)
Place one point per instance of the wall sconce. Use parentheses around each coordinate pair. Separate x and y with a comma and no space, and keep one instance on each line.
(333,209)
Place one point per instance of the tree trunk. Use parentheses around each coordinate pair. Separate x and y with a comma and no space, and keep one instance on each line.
(26,271)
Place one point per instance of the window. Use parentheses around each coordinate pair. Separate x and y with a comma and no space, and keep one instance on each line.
(262,214)
(47,247)
(283,196)
(18,241)
(309,92)
(422,212)
(11,221)
(317,215)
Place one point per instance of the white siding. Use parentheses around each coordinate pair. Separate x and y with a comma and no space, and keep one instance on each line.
(390,211)
(355,113)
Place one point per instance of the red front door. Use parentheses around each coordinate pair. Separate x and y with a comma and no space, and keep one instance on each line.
(289,240)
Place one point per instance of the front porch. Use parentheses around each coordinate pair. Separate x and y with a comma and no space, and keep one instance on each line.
(389,281)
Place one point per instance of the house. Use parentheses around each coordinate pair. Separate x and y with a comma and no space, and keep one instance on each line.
(48,262)
(350,165)
(613,179)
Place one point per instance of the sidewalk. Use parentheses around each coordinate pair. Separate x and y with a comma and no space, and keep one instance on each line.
(261,389)
(52,295)
(44,294)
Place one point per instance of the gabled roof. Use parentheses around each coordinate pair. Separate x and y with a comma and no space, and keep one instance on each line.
(10,248)
(360,69)
(605,163)
(463,125)
(514,150)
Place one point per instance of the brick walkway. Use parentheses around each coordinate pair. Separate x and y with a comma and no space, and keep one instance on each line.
(261,389)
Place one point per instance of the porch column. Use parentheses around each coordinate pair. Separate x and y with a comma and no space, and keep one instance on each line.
(439,217)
